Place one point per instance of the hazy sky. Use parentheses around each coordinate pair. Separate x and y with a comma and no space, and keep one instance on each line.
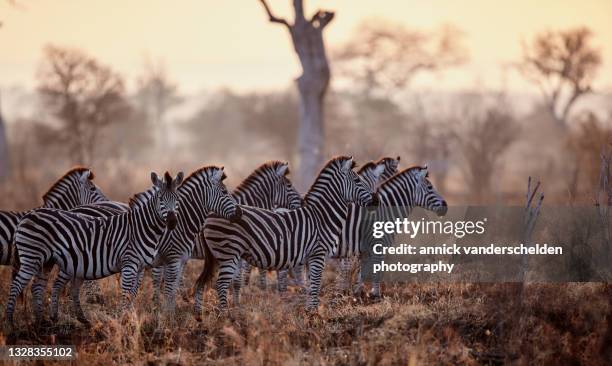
(208,44)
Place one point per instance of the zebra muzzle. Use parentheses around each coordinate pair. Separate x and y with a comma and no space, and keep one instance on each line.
(171,220)
(374,203)
(236,216)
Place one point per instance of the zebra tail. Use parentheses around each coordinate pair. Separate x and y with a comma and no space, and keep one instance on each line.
(210,265)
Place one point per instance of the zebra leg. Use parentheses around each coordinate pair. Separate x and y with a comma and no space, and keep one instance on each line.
(76,301)
(262,281)
(138,282)
(246,273)
(21,280)
(157,273)
(39,288)
(282,278)
(199,295)
(227,272)
(236,283)
(173,272)
(316,264)
(358,288)
(59,284)
(375,291)
(129,286)
(297,274)
(343,280)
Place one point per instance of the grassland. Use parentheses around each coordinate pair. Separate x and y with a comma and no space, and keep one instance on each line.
(470,324)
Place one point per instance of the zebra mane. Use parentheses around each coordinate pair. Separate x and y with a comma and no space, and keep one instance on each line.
(256,174)
(333,161)
(140,199)
(68,174)
(366,166)
(196,173)
(402,173)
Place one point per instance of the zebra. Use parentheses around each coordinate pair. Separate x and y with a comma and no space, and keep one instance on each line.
(281,240)
(267,187)
(90,248)
(74,188)
(371,173)
(402,192)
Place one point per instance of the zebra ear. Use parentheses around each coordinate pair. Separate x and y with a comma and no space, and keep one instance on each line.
(282,170)
(422,174)
(155,180)
(178,180)
(85,176)
(218,175)
(348,164)
(398,158)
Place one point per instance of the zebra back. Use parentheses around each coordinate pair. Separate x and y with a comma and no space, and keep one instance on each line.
(73,189)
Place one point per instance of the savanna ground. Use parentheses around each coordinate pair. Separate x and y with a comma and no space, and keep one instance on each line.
(563,324)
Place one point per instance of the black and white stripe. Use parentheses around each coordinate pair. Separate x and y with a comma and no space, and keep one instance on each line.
(74,188)
(86,248)
(372,174)
(401,193)
(267,187)
(282,240)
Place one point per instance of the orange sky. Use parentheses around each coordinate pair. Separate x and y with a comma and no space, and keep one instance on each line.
(207,44)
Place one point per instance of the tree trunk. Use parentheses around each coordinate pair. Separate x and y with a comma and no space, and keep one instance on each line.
(310,132)
(307,37)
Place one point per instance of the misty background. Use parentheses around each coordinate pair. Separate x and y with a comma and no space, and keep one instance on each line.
(424,90)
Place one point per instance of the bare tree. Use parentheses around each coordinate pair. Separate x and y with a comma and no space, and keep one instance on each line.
(385,57)
(563,65)
(486,135)
(157,94)
(83,95)
(307,37)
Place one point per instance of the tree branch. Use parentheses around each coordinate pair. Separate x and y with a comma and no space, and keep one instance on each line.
(272,17)
(322,17)
(298,7)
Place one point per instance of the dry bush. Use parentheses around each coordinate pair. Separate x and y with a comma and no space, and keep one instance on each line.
(415,324)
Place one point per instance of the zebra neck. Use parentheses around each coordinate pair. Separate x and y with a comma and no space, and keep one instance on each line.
(254,199)
(191,211)
(146,225)
(329,210)
(66,202)
(393,195)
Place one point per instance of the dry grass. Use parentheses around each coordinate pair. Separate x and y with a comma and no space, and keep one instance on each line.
(414,325)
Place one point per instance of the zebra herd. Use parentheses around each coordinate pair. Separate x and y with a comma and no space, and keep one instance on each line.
(263,223)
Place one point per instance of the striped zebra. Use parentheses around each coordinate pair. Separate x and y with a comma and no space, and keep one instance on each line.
(74,188)
(94,248)
(267,187)
(401,193)
(281,240)
(372,173)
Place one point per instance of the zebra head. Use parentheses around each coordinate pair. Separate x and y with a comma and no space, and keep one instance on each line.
(354,188)
(424,193)
(371,174)
(284,193)
(391,165)
(75,188)
(167,197)
(90,193)
(217,199)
